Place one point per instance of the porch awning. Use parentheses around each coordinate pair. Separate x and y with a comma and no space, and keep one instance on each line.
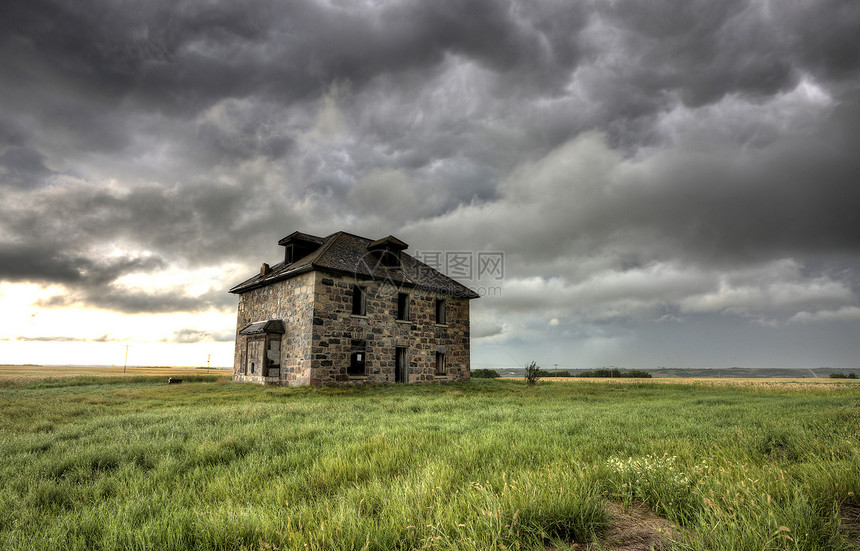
(261,327)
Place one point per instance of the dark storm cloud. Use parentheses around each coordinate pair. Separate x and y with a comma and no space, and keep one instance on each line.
(140,301)
(45,263)
(198,134)
(23,167)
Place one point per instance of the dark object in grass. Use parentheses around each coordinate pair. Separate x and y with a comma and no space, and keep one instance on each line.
(172,381)
(533,373)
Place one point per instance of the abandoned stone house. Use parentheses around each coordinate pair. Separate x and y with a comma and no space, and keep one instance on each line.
(346,309)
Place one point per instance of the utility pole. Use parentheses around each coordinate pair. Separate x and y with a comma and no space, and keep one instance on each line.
(556,368)
(125,364)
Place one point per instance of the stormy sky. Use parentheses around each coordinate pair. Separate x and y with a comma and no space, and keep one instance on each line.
(672,183)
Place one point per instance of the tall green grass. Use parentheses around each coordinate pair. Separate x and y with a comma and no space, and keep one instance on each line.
(484,465)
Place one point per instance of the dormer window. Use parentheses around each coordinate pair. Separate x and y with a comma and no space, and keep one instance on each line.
(388,250)
(390,259)
(298,245)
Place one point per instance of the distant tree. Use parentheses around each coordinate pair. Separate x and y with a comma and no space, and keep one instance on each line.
(616,373)
(553,373)
(532,373)
(838,376)
(604,373)
(852,375)
(636,374)
(485,374)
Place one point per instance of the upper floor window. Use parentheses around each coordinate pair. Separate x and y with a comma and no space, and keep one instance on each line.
(402,306)
(358,301)
(441,314)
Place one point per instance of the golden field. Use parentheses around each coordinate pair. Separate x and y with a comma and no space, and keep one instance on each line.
(58,371)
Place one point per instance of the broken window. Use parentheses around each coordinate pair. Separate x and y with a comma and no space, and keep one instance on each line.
(390,259)
(357,358)
(253,355)
(440,310)
(440,364)
(401,368)
(402,306)
(273,356)
(358,301)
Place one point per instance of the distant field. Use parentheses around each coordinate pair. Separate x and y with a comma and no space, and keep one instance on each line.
(26,372)
(760,384)
(721,373)
(110,463)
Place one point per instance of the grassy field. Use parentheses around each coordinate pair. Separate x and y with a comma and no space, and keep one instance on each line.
(131,463)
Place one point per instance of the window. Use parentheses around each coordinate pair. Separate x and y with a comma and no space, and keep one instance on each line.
(254,350)
(440,364)
(390,259)
(401,368)
(289,254)
(402,306)
(358,302)
(273,356)
(440,310)
(357,358)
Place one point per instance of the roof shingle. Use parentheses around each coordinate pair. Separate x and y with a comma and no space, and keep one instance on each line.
(345,253)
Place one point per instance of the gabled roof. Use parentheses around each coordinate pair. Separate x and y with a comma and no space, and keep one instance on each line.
(348,254)
(389,242)
(299,236)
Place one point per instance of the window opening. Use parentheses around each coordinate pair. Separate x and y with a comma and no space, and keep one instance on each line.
(440,311)
(273,356)
(358,358)
(401,368)
(403,306)
(358,301)
(440,363)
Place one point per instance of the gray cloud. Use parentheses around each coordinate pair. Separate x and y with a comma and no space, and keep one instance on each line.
(103,338)
(136,301)
(670,145)
(187,335)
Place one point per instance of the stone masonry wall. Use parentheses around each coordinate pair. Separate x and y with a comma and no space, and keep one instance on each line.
(334,328)
(292,301)
(317,311)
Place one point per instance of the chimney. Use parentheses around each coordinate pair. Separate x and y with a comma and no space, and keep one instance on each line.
(265,269)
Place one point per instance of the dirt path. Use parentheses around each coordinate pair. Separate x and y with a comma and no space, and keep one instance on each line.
(636,528)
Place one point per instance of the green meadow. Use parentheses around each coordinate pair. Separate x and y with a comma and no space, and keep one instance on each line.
(132,463)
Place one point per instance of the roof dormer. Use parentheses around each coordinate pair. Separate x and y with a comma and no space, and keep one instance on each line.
(388,250)
(298,245)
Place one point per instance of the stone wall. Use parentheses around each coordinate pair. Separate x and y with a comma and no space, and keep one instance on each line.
(317,311)
(335,327)
(292,301)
